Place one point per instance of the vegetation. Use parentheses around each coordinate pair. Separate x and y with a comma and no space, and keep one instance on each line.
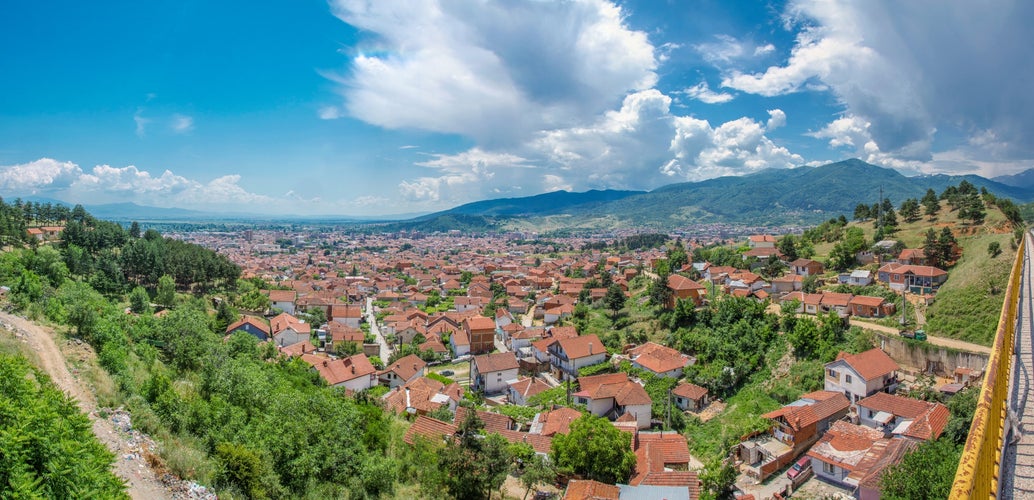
(926,473)
(47,446)
(595,450)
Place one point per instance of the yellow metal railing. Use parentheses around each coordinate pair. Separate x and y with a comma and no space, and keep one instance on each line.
(977,475)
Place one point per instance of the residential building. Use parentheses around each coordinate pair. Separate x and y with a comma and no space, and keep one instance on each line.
(659,360)
(283,300)
(858,376)
(567,355)
(684,288)
(250,325)
(807,267)
(481,333)
(288,330)
(402,371)
(898,416)
(614,396)
(492,373)
(690,397)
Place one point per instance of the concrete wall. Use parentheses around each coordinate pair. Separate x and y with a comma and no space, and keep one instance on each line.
(927,357)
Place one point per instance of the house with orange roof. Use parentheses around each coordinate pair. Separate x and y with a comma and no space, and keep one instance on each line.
(660,360)
(858,376)
(587,489)
(915,278)
(283,300)
(492,373)
(520,390)
(251,325)
(288,330)
(683,288)
(864,306)
(481,334)
(551,423)
(898,416)
(347,314)
(613,395)
(806,267)
(433,430)
(690,396)
(354,373)
(800,423)
(840,455)
(568,355)
(422,396)
(402,371)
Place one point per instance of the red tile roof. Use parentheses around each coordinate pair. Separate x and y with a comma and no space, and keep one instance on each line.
(429,428)
(658,358)
(558,421)
(494,422)
(582,346)
(679,282)
(579,489)
(691,391)
(673,446)
(928,419)
(406,367)
(496,362)
(870,364)
(480,323)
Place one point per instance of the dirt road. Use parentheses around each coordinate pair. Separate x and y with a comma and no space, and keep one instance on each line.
(941,341)
(140,480)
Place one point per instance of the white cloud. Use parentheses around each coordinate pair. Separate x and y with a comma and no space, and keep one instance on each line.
(329,113)
(641,145)
(181,124)
(498,71)
(762,50)
(776,119)
(703,93)
(908,69)
(38,175)
(104,183)
(726,49)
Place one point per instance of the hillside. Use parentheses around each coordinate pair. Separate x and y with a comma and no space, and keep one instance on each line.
(967,306)
(804,195)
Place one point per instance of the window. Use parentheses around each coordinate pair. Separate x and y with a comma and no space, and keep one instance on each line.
(871,413)
(847,379)
(829,468)
(832,373)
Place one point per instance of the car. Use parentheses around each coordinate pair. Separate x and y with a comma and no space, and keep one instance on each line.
(799,467)
(446,373)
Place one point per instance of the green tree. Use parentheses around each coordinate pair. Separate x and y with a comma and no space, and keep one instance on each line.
(717,479)
(595,449)
(862,212)
(139,301)
(243,468)
(994,249)
(910,210)
(660,294)
(165,294)
(788,246)
(134,230)
(931,205)
(926,473)
(615,298)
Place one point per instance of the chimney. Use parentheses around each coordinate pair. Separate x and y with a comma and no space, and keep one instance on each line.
(324,363)
(590,347)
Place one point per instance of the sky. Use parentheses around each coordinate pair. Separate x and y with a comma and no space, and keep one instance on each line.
(383,107)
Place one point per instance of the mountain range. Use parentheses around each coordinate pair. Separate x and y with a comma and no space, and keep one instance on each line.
(803,195)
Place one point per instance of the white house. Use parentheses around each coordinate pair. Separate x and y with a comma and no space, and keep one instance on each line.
(283,300)
(354,373)
(520,390)
(568,355)
(349,315)
(659,360)
(898,416)
(492,373)
(460,343)
(613,395)
(861,375)
(402,371)
(288,330)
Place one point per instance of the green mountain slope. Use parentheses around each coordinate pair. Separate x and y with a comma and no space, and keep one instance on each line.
(804,195)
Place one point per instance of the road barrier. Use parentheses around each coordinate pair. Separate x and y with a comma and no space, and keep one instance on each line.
(979,468)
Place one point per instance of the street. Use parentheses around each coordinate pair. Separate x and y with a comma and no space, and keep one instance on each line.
(371,318)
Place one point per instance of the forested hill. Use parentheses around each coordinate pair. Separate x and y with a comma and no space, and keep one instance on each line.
(804,195)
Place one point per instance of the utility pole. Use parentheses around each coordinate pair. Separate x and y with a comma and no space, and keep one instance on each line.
(879,210)
(904,305)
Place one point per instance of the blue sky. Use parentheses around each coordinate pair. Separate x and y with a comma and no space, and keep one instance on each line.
(385,107)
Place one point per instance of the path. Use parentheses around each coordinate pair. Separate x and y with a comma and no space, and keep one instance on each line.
(1017,471)
(371,318)
(141,482)
(939,341)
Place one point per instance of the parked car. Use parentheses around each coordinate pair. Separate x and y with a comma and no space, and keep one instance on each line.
(799,467)
(446,373)
(913,334)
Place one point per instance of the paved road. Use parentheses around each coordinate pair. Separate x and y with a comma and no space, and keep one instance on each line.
(1018,459)
(371,318)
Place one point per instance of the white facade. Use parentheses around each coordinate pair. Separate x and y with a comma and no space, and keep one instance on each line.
(840,377)
(288,337)
(285,306)
(360,383)
(493,382)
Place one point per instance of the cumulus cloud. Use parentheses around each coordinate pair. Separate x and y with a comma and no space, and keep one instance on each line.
(498,71)
(704,94)
(776,119)
(725,49)
(908,69)
(38,175)
(640,145)
(104,183)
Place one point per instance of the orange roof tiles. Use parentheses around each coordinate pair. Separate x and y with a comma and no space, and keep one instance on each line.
(691,391)
(870,364)
(429,428)
(580,489)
